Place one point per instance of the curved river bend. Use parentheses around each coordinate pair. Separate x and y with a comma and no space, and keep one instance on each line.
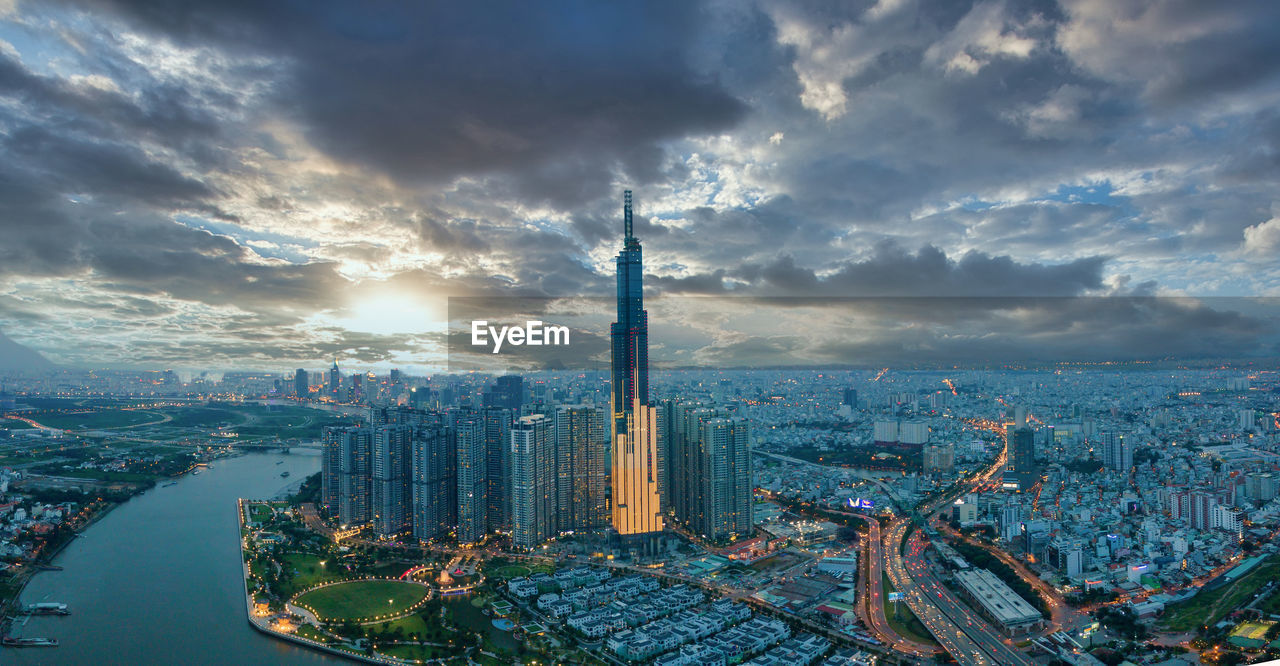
(158,580)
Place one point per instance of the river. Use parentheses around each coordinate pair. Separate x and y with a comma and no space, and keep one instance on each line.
(158,579)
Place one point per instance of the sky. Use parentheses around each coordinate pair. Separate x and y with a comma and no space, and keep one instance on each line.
(270,185)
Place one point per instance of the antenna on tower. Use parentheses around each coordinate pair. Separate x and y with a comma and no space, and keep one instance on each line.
(626,211)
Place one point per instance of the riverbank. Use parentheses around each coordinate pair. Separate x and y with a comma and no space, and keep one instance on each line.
(262,623)
(10,606)
(154,580)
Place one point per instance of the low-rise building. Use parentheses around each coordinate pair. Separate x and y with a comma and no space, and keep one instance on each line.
(998,601)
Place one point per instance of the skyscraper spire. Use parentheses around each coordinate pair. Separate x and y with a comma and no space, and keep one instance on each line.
(626,215)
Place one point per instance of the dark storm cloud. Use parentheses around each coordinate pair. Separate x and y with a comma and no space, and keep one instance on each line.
(893,271)
(196,265)
(1205,49)
(128,247)
(1087,329)
(164,111)
(555,93)
(456,236)
(80,195)
(918,332)
(788,155)
(74,165)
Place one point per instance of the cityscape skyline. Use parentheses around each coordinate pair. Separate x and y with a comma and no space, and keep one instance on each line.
(928,331)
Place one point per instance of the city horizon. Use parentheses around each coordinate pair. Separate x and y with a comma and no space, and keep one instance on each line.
(692,333)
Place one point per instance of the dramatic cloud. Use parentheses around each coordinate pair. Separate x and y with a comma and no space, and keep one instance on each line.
(242,184)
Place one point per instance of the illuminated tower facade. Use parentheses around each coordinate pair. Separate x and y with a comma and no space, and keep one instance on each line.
(635,424)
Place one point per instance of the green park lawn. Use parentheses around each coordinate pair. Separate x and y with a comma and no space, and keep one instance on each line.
(308,631)
(203,417)
(362,599)
(307,571)
(259,513)
(105,418)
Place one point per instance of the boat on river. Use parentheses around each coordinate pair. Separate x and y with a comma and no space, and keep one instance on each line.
(9,641)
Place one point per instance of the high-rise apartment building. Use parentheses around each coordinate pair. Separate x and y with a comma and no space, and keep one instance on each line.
(433,481)
(473,472)
(709,450)
(497,443)
(939,458)
(331,455)
(688,504)
(390,494)
(354,476)
(1117,452)
(532,481)
(580,444)
(884,432)
(914,434)
(1246,419)
(726,482)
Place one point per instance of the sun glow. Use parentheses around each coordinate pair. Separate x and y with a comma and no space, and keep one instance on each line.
(391,313)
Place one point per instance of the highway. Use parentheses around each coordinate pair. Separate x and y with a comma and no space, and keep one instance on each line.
(942,612)
(963,634)
(871,606)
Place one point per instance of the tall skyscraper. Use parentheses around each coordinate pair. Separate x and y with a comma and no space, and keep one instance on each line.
(497,444)
(473,472)
(335,380)
(532,481)
(635,424)
(390,492)
(331,455)
(354,478)
(1020,465)
(726,449)
(688,461)
(580,442)
(434,481)
(301,387)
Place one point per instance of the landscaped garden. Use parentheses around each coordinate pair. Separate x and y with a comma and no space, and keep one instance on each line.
(362,600)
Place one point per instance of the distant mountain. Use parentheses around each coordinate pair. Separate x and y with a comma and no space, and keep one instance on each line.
(14,356)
